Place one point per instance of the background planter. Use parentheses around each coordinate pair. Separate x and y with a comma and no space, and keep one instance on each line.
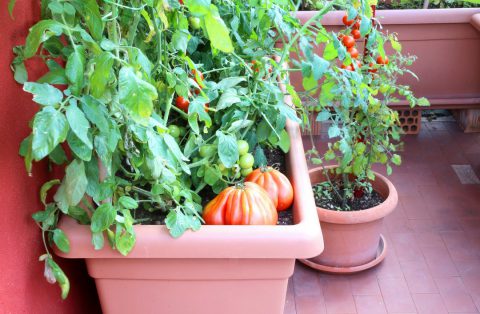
(352,238)
(239,269)
(446,43)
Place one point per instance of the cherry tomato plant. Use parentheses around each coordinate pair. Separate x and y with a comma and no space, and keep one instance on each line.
(352,91)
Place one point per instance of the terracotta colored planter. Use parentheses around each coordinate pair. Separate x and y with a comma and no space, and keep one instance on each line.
(352,238)
(446,43)
(218,269)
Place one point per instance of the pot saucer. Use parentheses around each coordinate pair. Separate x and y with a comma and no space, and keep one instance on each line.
(381,253)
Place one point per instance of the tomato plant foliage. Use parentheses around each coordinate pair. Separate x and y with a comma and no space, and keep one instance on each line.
(109,109)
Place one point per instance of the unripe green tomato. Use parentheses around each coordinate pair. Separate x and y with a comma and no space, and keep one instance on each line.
(174,130)
(183,130)
(242,147)
(221,167)
(194,22)
(207,150)
(246,161)
(384,88)
(195,159)
(246,172)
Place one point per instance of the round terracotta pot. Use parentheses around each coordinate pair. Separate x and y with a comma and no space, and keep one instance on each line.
(352,238)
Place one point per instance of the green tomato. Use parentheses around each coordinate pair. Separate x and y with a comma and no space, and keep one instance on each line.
(384,88)
(242,147)
(207,150)
(221,167)
(194,22)
(246,161)
(174,130)
(246,172)
(183,130)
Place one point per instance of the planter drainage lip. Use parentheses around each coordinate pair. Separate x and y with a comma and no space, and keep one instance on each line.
(301,240)
(401,17)
(362,216)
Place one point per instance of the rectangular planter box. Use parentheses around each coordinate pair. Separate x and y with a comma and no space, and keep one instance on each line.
(218,269)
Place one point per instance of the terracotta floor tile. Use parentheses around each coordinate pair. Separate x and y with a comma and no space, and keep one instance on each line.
(455,296)
(308,304)
(338,296)
(396,295)
(460,246)
(370,304)
(468,267)
(364,283)
(405,246)
(418,277)
(439,261)
(290,299)
(429,239)
(429,303)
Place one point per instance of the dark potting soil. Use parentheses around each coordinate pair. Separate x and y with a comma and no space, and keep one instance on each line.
(275,158)
(366,201)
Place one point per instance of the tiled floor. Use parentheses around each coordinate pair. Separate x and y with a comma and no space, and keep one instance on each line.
(433,262)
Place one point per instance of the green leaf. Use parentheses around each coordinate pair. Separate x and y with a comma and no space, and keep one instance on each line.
(323,115)
(20,72)
(389,170)
(395,44)
(26,152)
(79,214)
(101,74)
(124,240)
(73,187)
(229,82)
(284,142)
(329,155)
(95,111)
(320,65)
(310,84)
(295,98)
(11,5)
(78,147)
(128,202)
(45,188)
(39,33)
(74,70)
(360,148)
(61,241)
(136,94)
(227,149)
(50,128)
(44,94)
(330,52)
(217,31)
(365,26)
(259,157)
(59,276)
(98,240)
(228,98)
(93,18)
(396,159)
(58,156)
(103,217)
(212,175)
(198,8)
(79,124)
(180,40)
(175,223)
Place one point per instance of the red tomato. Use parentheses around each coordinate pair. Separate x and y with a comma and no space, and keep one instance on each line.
(380,60)
(348,41)
(246,204)
(356,34)
(353,52)
(276,184)
(182,103)
(347,67)
(346,21)
(356,26)
(371,68)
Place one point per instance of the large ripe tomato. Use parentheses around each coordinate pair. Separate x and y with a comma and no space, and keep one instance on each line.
(276,184)
(182,103)
(348,41)
(244,204)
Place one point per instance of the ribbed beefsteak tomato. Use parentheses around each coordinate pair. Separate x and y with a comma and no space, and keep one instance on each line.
(276,184)
(242,204)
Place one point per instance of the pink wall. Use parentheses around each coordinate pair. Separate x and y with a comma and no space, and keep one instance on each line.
(22,286)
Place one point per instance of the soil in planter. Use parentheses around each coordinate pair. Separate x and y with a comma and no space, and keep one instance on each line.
(366,201)
(275,158)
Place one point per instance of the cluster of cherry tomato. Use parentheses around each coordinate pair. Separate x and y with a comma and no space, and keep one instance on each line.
(349,42)
(182,102)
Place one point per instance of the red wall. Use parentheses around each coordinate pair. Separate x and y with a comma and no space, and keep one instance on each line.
(22,286)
